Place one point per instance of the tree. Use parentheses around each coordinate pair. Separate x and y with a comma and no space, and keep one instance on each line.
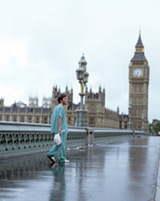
(154,129)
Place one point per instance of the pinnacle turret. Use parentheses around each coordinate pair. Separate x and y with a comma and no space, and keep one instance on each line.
(139,51)
(139,42)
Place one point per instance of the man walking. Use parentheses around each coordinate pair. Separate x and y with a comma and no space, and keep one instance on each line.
(59,125)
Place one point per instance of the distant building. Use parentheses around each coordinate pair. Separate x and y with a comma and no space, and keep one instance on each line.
(20,112)
(1,102)
(123,121)
(33,102)
(19,104)
(46,102)
(155,121)
(138,87)
(97,116)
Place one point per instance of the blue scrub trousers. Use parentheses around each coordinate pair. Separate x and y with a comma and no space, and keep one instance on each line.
(59,148)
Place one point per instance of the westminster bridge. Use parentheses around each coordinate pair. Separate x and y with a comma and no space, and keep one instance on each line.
(106,165)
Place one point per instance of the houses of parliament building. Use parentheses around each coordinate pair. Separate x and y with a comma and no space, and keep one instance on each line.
(97,114)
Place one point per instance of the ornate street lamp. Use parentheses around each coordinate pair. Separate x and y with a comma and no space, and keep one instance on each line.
(80,73)
(129,115)
(82,76)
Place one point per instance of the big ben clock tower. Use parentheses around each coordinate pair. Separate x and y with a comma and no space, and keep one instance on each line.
(138,88)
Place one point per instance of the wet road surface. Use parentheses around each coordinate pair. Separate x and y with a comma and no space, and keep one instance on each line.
(117,171)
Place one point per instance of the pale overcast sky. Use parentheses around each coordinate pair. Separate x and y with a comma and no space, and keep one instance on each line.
(41,42)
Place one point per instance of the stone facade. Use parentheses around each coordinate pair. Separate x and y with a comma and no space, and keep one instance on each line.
(123,121)
(97,116)
(138,88)
(24,113)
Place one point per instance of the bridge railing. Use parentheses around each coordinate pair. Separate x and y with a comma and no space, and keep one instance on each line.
(27,138)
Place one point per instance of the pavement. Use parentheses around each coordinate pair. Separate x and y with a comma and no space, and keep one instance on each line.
(119,170)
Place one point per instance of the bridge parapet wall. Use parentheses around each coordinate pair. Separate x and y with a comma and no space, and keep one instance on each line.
(28,138)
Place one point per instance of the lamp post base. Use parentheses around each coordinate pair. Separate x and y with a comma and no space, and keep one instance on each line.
(81,118)
(129,126)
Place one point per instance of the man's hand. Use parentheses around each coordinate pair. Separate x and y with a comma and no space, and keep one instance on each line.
(60,130)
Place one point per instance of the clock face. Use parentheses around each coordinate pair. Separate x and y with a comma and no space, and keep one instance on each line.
(137,72)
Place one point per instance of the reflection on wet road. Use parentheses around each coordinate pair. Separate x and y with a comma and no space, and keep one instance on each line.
(119,171)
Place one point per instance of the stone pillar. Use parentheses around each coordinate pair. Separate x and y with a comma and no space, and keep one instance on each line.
(90,136)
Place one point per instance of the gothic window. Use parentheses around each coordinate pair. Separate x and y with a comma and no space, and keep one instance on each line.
(69,120)
(22,119)
(137,113)
(14,118)
(91,121)
(22,110)
(45,120)
(37,119)
(140,100)
(7,118)
(120,124)
(135,100)
(125,126)
(30,119)
(139,125)
(138,63)
(7,109)
(140,89)
(133,112)
(92,107)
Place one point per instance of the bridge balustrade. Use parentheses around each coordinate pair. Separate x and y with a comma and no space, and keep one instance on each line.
(18,138)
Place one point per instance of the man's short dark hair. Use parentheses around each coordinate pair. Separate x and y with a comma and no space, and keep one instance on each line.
(60,98)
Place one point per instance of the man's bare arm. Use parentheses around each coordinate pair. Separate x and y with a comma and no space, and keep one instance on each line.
(60,126)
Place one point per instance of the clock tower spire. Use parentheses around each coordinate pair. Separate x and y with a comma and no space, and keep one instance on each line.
(139,42)
(139,51)
(138,87)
